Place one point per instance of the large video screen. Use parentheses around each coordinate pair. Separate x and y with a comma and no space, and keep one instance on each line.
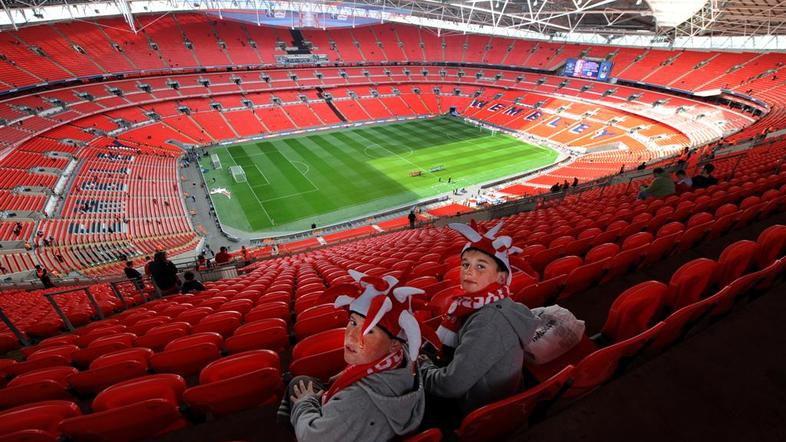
(585,68)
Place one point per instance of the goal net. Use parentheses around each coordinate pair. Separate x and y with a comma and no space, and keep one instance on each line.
(237,174)
(216,161)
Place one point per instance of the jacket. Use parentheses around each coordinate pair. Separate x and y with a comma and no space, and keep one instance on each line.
(379,407)
(488,362)
(662,185)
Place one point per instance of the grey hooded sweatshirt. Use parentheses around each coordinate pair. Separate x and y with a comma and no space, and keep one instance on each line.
(489,358)
(379,407)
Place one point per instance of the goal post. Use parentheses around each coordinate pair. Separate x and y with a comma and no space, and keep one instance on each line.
(216,161)
(238,174)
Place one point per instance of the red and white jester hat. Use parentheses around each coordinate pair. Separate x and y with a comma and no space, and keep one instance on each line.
(383,304)
(488,242)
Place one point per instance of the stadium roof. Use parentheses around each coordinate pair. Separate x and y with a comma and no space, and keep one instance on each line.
(722,24)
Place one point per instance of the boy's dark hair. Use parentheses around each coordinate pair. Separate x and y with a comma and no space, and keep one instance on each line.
(500,265)
(709,168)
(129,264)
(657,170)
(681,172)
(188,275)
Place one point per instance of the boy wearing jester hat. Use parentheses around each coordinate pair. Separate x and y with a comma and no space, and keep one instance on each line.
(486,328)
(379,395)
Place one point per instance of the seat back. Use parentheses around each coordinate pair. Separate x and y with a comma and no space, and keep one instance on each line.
(497,420)
(601,365)
(772,244)
(44,416)
(237,364)
(169,387)
(690,282)
(635,310)
(736,260)
(561,266)
(319,343)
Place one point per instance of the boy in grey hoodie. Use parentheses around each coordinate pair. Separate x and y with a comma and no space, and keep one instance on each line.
(379,396)
(486,328)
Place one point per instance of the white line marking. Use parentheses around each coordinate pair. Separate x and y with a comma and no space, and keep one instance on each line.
(267,181)
(290,195)
(255,194)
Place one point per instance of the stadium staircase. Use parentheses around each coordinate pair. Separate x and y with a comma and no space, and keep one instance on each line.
(298,42)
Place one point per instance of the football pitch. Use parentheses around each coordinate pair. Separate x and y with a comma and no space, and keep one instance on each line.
(329,177)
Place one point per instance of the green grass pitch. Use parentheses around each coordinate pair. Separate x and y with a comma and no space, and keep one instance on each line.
(329,177)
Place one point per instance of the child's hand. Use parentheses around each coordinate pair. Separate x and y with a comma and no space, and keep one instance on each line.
(301,391)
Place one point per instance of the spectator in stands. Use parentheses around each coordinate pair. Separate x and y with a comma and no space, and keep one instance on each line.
(201,262)
(59,258)
(684,183)
(3,270)
(191,285)
(661,186)
(43,275)
(148,262)
(705,179)
(411,217)
(28,246)
(164,273)
(133,275)
(223,257)
(244,254)
(565,185)
(556,188)
(379,396)
(575,182)
(486,328)
(642,166)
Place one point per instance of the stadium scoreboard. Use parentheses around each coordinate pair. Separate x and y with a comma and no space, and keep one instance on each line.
(586,68)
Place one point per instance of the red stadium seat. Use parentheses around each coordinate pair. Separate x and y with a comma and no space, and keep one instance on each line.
(320,355)
(736,260)
(635,310)
(237,382)
(139,420)
(223,323)
(430,435)
(35,364)
(270,334)
(96,379)
(583,277)
(601,251)
(772,244)
(601,365)
(58,374)
(561,266)
(43,416)
(690,282)
(34,391)
(497,420)
(196,338)
(677,324)
(269,310)
(185,360)
(313,324)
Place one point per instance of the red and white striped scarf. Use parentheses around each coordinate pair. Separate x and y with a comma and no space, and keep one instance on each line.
(465,305)
(354,373)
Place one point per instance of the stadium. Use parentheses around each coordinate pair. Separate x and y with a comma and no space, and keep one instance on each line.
(632,149)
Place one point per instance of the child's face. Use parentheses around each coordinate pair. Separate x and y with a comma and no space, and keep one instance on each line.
(365,349)
(478,270)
